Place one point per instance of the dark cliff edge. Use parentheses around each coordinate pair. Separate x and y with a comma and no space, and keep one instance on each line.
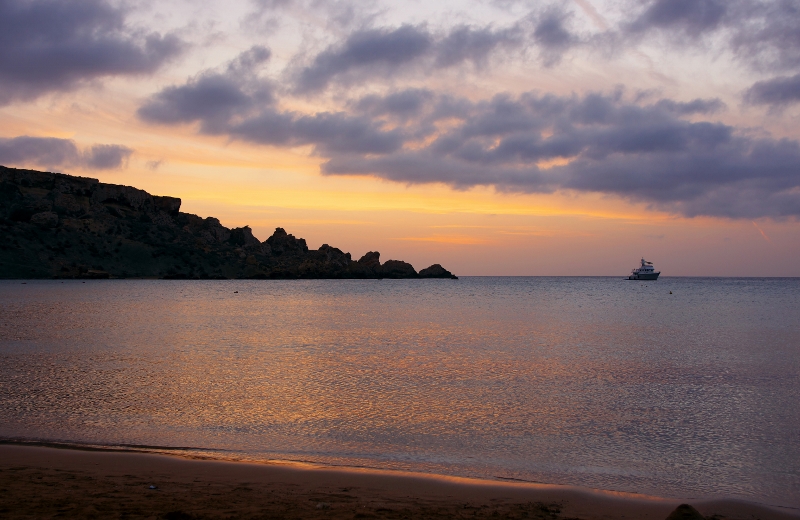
(54,225)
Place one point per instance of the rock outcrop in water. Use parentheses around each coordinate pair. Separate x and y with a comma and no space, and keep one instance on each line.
(54,225)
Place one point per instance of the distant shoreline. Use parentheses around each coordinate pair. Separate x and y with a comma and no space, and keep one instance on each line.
(117,480)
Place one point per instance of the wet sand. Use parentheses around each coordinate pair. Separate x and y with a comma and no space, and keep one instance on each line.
(44,482)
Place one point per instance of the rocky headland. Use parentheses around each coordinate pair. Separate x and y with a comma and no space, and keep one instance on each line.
(54,225)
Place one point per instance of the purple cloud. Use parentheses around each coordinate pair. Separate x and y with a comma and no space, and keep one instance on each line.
(52,152)
(48,45)
(777,91)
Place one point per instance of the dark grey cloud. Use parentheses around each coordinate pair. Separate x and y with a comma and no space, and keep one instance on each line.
(765,34)
(762,34)
(377,48)
(644,153)
(237,102)
(52,152)
(465,43)
(697,106)
(328,132)
(777,91)
(404,104)
(552,35)
(213,97)
(658,152)
(106,156)
(210,98)
(691,17)
(381,52)
(50,45)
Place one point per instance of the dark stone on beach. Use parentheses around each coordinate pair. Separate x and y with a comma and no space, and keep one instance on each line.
(685,512)
(61,226)
(436,271)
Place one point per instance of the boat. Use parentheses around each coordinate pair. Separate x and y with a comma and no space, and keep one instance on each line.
(645,272)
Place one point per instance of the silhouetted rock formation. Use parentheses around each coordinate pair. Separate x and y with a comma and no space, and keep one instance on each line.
(60,226)
(436,271)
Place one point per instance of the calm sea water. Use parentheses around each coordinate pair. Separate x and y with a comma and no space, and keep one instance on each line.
(596,382)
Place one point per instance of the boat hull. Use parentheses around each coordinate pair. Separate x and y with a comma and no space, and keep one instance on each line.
(648,276)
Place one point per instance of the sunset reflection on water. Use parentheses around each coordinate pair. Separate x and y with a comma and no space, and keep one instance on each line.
(592,381)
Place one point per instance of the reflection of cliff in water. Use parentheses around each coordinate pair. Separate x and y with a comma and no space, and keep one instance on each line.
(56,225)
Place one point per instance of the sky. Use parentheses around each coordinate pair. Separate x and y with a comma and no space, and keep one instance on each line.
(495,137)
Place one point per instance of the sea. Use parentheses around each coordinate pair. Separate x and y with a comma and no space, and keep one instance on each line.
(682,387)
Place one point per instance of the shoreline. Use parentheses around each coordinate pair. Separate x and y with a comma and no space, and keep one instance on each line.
(58,479)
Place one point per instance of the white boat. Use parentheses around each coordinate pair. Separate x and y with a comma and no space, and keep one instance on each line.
(645,272)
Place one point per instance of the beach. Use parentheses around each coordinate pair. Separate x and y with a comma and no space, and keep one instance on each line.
(45,482)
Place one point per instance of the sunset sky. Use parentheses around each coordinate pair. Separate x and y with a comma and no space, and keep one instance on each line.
(496,138)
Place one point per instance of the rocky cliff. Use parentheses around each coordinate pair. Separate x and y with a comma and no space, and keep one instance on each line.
(60,226)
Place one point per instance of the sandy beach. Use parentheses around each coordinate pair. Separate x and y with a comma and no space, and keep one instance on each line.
(45,482)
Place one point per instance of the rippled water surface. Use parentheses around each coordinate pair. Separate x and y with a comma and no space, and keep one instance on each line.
(597,382)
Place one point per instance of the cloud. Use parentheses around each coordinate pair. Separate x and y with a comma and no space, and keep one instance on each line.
(691,17)
(238,103)
(763,33)
(328,132)
(49,45)
(106,156)
(213,97)
(403,104)
(337,14)
(552,36)
(767,34)
(777,91)
(697,106)
(379,48)
(465,43)
(382,52)
(52,152)
(602,144)
(154,164)
(657,152)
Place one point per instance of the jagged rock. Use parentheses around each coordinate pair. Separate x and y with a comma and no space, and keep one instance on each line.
(436,271)
(217,231)
(56,225)
(371,260)
(243,236)
(335,256)
(397,269)
(281,243)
